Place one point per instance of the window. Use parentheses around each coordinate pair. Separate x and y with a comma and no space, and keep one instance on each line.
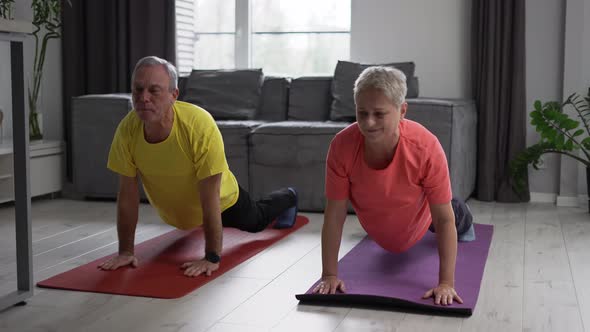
(284,37)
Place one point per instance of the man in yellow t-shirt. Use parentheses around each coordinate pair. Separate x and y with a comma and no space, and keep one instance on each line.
(177,150)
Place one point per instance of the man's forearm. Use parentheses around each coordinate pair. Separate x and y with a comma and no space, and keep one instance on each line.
(447,250)
(209,189)
(213,230)
(126,223)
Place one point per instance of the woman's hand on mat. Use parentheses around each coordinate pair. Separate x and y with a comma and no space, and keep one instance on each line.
(117,261)
(330,285)
(443,294)
(195,268)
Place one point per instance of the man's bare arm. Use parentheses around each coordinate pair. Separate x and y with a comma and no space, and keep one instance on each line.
(209,190)
(127,210)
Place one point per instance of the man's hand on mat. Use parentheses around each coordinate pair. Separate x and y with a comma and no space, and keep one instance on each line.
(195,268)
(330,285)
(443,294)
(117,261)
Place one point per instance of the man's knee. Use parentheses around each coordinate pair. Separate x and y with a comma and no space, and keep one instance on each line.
(253,228)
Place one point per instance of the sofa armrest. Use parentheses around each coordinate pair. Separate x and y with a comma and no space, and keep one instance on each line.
(454,123)
(94,121)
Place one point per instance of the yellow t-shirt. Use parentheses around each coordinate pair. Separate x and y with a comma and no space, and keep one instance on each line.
(171,170)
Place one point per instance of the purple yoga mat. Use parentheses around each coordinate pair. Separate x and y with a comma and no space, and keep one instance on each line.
(376,277)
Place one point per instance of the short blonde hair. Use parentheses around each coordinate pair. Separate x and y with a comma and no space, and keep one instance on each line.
(390,80)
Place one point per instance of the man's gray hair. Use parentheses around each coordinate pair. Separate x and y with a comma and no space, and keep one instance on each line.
(155,61)
(390,80)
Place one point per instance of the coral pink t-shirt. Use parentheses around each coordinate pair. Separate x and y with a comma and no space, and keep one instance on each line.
(392,204)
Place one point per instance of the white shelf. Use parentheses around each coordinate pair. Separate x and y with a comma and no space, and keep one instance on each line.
(48,146)
(46,168)
(17,26)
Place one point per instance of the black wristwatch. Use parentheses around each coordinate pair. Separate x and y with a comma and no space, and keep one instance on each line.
(212,257)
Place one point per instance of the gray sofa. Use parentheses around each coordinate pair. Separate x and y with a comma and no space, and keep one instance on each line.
(283,143)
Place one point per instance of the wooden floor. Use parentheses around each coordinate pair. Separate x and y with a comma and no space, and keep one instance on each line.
(537,278)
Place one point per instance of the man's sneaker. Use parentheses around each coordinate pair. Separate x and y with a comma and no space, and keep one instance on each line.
(288,217)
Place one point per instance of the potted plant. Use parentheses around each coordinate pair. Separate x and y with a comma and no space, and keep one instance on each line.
(559,134)
(47,22)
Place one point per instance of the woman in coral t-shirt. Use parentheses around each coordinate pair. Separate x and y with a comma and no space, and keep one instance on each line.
(395,174)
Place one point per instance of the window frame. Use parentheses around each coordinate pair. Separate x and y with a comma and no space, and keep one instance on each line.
(243,35)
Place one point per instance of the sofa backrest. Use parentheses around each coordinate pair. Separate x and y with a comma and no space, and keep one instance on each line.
(310,98)
(273,100)
(306,98)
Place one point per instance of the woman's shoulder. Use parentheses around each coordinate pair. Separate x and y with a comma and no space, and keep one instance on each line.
(350,134)
(416,134)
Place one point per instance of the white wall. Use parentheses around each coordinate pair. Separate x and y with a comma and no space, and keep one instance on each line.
(576,79)
(5,92)
(582,187)
(544,75)
(51,90)
(434,34)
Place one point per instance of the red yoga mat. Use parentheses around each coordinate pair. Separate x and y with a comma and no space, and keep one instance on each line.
(159,274)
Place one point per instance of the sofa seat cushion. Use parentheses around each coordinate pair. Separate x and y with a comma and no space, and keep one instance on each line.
(226,94)
(292,154)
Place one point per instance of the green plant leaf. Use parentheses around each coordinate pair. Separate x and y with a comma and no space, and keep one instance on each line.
(548,133)
(570,124)
(552,114)
(559,142)
(538,106)
(578,132)
(569,145)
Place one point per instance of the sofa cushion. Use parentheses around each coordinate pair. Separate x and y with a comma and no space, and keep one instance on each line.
(226,94)
(310,98)
(292,153)
(346,73)
(273,105)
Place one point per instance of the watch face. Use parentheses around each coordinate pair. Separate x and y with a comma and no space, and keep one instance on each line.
(212,257)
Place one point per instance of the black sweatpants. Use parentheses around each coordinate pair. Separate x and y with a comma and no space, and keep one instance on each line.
(463,216)
(254,216)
